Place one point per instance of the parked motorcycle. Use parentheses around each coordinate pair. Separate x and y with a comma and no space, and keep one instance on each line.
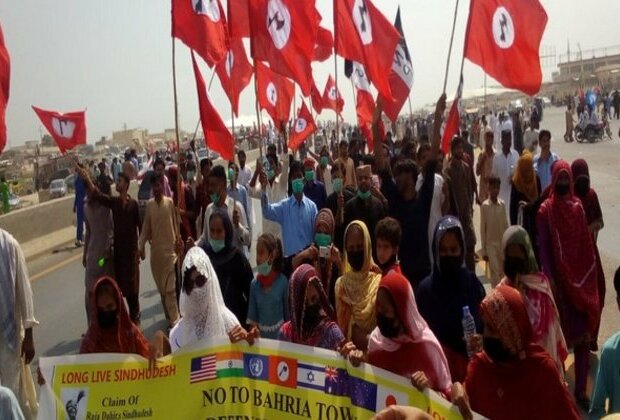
(590,133)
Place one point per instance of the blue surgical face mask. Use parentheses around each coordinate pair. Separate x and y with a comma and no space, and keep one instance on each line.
(322,239)
(364,195)
(191,175)
(297,185)
(324,161)
(337,184)
(215,197)
(217,244)
(231,174)
(309,175)
(264,269)
(271,174)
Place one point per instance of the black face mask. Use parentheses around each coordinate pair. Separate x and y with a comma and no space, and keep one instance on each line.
(450,266)
(386,326)
(106,319)
(312,315)
(582,186)
(356,260)
(494,348)
(514,266)
(562,189)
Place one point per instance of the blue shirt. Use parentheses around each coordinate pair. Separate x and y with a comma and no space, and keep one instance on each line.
(296,219)
(268,307)
(543,169)
(315,191)
(607,385)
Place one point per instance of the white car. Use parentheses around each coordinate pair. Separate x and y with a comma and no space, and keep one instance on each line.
(58,188)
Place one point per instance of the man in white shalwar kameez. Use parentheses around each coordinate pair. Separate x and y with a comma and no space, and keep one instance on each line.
(16,319)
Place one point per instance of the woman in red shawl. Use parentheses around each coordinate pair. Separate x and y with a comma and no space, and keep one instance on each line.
(311,315)
(111,330)
(568,259)
(513,378)
(594,218)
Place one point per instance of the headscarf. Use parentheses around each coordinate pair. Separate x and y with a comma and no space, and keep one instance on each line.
(538,298)
(518,236)
(325,218)
(303,276)
(572,248)
(524,178)
(416,328)
(356,292)
(503,309)
(204,314)
(229,250)
(444,225)
(590,202)
(125,337)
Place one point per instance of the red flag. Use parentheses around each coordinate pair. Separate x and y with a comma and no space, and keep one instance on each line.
(303,127)
(503,37)
(284,34)
(238,18)
(365,105)
(68,130)
(364,35)
(235,72)
(454,120)
(216,134)
(5,77)
(275,93)
(317,99)
(201,25)
(332,99)
(401,76)
(324,45)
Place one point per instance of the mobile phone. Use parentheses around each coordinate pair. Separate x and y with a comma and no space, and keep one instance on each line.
(324,252)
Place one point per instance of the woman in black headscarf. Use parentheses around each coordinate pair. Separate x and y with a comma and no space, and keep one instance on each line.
(444,294)
(231,266)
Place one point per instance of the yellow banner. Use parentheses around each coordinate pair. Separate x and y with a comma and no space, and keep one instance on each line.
(216,380)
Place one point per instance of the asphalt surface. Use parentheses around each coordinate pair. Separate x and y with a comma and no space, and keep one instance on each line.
(58,278)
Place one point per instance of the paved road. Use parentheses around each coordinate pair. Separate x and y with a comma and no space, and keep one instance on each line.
(58,277)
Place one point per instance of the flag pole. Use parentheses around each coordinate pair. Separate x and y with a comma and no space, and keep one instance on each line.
(178,267)
(445,81)
(198,122)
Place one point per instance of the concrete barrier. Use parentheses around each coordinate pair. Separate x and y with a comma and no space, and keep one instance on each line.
(46,226)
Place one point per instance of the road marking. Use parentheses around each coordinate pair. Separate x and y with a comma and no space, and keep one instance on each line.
(55,267)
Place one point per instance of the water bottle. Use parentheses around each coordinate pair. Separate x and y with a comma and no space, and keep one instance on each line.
(469,329)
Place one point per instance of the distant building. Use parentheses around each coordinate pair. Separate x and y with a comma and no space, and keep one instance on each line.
(597,67)
(130,137)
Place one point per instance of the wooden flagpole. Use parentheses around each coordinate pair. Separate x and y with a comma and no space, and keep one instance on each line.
(445,81)
(178,135)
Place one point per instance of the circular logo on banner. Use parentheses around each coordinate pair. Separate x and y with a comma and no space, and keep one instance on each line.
(272,94)
(209,8)
(503,28)
(63,128)
(361,19)
(278,23)
(301,125)
(283,371)
(230,62)
(333,93)
(256,367)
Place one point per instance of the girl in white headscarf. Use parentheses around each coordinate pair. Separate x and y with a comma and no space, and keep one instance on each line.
(204,314)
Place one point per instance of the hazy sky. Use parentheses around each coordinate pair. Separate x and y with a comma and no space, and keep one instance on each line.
(113,57)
